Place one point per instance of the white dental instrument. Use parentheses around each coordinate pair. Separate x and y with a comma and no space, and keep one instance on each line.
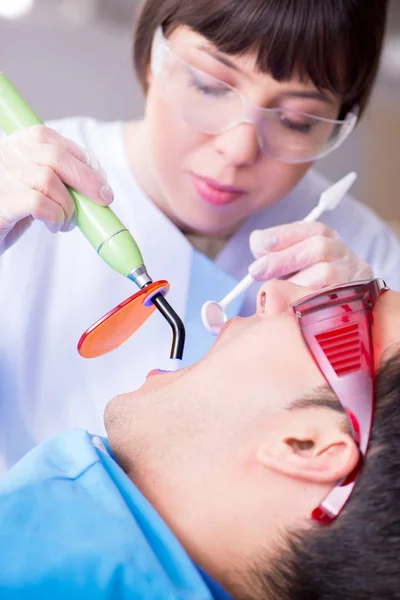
(213,313)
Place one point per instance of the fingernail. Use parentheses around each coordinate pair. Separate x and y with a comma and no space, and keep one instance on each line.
(258,267)
(72,223)
(106,194)
(92,162)
(54,226)
(261,242)
(255,242)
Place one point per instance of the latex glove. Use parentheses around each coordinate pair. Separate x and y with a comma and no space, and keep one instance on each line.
(308,254)
(33,164)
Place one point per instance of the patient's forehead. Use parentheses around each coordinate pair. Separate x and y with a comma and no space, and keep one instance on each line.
(386,327)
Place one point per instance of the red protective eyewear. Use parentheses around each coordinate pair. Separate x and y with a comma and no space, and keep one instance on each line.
(336,326)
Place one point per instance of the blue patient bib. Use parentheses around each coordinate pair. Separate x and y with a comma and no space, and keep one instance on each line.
(73,526)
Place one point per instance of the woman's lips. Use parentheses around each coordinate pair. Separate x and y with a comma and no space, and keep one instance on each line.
(215,193)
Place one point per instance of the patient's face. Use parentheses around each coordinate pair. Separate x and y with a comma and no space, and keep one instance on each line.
(257,367)
(189,438)
(259,360)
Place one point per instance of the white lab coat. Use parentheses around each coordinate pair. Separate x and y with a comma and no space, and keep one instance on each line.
(55,286)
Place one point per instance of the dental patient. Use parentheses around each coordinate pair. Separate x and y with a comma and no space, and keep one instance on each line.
(252,474)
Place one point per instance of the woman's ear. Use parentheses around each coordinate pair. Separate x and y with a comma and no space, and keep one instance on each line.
(149,76)
(312,447)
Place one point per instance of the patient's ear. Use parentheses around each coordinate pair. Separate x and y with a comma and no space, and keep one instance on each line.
(310,446)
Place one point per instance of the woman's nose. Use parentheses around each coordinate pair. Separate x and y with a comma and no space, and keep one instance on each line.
(239,145)
(276,297)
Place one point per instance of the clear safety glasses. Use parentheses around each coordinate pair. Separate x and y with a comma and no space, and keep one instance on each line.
(213,107)
(336,326)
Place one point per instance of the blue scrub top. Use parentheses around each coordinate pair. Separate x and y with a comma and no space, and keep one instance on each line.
(74,526)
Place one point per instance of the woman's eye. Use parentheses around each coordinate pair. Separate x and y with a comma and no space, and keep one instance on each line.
(208,90)
(298,126)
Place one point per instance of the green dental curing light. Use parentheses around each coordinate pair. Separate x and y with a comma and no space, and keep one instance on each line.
(116,246)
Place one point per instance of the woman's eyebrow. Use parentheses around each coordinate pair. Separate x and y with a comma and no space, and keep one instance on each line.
(315,95)
(223,59)
(220,57)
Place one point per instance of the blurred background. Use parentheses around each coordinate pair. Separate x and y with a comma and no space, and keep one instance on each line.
(73,57)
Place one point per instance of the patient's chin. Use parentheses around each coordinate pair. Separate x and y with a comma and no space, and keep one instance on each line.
(115,413)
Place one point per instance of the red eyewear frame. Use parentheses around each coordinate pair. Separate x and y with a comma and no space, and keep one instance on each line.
(336,326)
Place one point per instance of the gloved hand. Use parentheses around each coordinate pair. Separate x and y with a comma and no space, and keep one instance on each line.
(33,164)
(308,254)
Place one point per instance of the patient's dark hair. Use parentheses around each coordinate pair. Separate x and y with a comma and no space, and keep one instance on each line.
(356,557)
(335,43)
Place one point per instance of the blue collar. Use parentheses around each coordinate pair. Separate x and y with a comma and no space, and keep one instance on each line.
(215,588)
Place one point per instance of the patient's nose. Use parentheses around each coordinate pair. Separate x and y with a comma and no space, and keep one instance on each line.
(275,297)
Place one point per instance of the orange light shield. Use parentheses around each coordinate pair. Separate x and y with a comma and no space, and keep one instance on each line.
(120,323)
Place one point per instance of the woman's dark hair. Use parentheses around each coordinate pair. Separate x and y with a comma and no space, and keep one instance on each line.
(356,557)
(335,43)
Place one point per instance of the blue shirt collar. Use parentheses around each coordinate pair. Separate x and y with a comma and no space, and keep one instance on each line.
(215,588)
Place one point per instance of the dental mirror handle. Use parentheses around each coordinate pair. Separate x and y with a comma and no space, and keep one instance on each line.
(315,214)
(101,227)
(241,287)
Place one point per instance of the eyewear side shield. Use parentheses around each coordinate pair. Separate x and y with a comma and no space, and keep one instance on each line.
(336,326)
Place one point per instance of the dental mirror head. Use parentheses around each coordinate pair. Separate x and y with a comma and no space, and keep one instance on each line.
(213,316)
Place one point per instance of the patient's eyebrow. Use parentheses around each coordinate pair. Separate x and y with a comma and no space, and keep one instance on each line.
(322,397)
